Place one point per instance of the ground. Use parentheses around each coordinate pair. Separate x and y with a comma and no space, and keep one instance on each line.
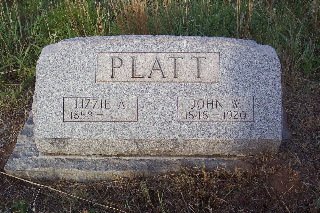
(288,181)
(285,182)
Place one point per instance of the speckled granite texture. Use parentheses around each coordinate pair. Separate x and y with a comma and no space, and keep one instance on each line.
(26,161)
(139,104)
(246,71)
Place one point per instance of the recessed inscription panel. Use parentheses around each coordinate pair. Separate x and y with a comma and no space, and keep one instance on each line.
(237,109)
(187,67)
(107,109)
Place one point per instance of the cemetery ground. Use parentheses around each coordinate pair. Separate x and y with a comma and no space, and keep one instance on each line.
(288,181)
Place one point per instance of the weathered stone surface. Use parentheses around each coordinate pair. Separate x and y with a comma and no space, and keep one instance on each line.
(140,104)
(157,95)
(26,161)
(183,67)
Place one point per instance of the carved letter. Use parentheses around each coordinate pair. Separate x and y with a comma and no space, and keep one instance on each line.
(198,64)
(156,66)
(209,103)
(121,105)
(134,74)
(235,103)
(113,65)
(218,104)
(175,66)
(194,104)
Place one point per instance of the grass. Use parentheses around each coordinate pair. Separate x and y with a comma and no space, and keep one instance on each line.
(292,28)
(287,182)
(268,188)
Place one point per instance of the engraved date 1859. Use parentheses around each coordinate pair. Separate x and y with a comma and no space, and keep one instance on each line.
(93,109)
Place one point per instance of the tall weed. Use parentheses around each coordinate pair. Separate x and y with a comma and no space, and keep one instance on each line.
(292,27)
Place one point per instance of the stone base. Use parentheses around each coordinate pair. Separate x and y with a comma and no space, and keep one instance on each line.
(27,162)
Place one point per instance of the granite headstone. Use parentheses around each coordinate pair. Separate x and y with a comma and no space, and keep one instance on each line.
(138,104)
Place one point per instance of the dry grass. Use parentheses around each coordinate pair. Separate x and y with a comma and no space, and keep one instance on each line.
(132,17)
(271,186)
(286,182)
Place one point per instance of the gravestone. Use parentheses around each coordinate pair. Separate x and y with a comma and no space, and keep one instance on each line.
(127,105)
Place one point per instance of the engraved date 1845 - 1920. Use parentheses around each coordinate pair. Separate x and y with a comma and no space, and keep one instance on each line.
(215,109)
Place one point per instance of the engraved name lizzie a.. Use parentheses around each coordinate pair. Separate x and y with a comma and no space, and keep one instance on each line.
(158,67)
(93,109)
